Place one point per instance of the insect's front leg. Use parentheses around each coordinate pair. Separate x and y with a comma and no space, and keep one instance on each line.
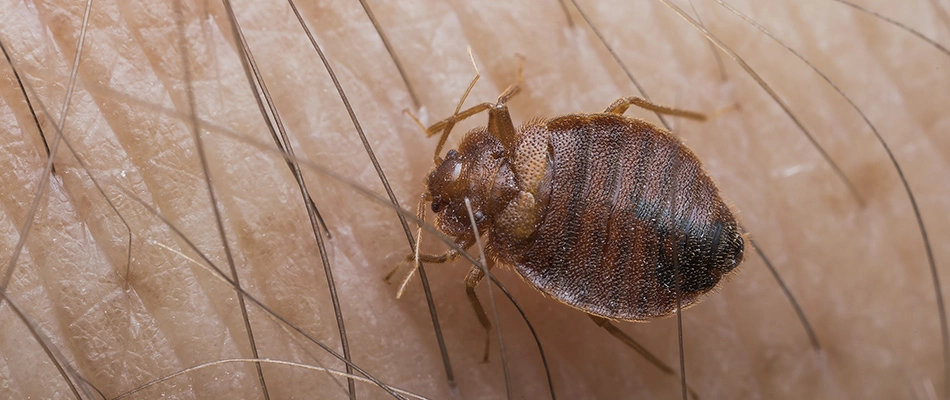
(499,119)
(444,258)
(448,256)
(445,126)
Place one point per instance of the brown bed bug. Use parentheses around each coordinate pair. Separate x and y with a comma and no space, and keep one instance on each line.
(600,211)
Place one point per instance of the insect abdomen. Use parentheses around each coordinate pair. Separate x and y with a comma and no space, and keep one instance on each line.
(629,206)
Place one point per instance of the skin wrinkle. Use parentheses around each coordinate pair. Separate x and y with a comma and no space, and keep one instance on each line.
(859,272)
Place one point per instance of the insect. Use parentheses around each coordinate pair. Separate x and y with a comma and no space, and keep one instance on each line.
(606,213)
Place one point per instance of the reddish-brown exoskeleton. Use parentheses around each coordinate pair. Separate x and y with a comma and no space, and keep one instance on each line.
(609,214)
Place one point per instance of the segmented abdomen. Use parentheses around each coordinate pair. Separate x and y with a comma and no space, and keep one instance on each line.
(629,206)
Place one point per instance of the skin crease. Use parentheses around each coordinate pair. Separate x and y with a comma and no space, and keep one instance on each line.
(859,272)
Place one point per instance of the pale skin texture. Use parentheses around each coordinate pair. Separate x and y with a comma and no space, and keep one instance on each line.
(859,272)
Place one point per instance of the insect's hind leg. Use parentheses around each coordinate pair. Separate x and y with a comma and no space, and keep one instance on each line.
(626,339)
(474,277)
(620,106)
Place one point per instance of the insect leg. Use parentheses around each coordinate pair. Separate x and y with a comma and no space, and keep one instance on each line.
(421,215)
(621,105)
(444,258)
(512,90)
(417,260)
(626,339)
(472,280)
(499,120)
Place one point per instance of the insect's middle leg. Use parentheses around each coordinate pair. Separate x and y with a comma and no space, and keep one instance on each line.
(620,106)
(475,275)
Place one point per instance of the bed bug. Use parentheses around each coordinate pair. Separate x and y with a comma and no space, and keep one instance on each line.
(608,214)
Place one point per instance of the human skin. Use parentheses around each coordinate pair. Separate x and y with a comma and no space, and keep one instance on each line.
(859,270)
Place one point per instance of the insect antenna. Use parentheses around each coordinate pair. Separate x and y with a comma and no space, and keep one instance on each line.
(873,296)
(445,127)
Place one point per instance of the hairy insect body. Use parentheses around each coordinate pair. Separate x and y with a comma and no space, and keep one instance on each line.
(600,211)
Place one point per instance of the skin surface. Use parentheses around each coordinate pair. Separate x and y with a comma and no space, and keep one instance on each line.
(859,271)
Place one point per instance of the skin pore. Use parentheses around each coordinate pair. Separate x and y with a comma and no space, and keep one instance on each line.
(859,271)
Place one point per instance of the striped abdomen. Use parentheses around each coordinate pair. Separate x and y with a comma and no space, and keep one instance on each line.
(629,206)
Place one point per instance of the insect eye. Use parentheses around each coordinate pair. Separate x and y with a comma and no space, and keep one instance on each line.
(479,216)
(436,206)
(451,154)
